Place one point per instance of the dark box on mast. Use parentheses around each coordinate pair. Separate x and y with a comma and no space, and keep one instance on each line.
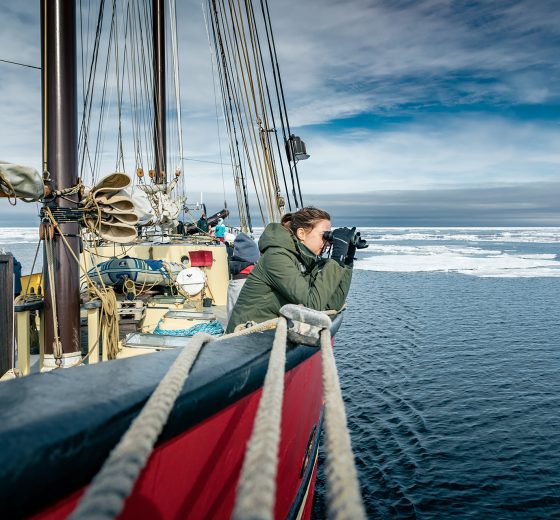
(295,149)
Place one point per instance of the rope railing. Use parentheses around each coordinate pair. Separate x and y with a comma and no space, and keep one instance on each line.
(256,491)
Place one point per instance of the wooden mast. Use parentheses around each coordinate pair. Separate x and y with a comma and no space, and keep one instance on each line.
(160,145)
(58,38)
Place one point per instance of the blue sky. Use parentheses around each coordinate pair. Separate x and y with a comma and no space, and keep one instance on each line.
(403,105)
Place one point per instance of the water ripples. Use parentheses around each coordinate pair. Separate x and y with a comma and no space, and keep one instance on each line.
(453,397)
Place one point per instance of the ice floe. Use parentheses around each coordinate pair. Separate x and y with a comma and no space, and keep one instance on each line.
(471,261)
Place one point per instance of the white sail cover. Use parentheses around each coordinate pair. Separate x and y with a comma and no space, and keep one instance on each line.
(26,182)
(142,207)
(156,206)
(110,210)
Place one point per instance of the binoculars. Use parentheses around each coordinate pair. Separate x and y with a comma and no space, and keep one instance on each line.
(356,239)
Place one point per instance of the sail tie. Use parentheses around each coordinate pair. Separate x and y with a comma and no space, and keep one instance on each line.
(7,190)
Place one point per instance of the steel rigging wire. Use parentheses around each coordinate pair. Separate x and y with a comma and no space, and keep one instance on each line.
(229,102)
(240,103)
(280,92)
(279,150)
(240,191)
(243,73)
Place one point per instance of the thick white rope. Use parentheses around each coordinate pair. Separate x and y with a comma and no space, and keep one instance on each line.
(256,490)
(343,490)
(106,496)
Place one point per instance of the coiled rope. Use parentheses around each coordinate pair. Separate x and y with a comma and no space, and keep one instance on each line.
(110,488)
(214,328)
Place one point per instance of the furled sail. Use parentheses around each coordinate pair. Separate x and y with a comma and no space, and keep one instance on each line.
(22,182)
(110,210)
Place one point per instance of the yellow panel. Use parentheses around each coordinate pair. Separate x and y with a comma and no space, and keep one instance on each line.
(34,281)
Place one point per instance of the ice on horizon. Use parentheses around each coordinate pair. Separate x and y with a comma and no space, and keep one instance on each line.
(470,261)
(470,251)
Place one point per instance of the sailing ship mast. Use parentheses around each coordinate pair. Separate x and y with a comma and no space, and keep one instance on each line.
(60,164)
(252,120)
(160,145)
(60,170)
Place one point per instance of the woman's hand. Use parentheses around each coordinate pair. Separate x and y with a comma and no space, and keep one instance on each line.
(342,238)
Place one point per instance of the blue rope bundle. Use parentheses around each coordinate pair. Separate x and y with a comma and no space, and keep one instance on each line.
(214,328)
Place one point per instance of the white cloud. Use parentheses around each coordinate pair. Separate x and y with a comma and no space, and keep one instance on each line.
(340,59)
(417,52)
(450,151)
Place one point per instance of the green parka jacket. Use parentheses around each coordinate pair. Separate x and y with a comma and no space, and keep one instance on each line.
(288,272)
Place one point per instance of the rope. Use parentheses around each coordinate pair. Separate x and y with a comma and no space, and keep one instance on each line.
(256,490)
(57,346)
(8,190)
(279,151)
(108,319)
(26,292)
(214,328)
(251,327)
(215,104)
(175,53)
(105,497)
(257,483)
(280,94)
(228,112)
(233,72)
(345,500)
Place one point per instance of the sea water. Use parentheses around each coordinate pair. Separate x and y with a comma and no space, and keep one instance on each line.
(449,360)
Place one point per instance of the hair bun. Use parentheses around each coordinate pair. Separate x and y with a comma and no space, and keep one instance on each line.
(286,220)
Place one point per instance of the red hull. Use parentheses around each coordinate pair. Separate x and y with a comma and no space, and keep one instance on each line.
(195,474)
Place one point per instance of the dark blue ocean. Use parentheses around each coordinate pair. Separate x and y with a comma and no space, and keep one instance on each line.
(449,359)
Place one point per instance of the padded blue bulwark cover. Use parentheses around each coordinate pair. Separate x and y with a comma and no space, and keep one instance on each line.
(56,429)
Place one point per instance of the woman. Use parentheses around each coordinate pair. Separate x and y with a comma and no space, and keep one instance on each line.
(220,230)
(290,269)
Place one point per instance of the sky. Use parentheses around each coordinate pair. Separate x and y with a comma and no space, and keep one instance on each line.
(415,113)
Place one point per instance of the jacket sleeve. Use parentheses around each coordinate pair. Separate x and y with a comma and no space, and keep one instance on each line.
(339,297)
(315,292)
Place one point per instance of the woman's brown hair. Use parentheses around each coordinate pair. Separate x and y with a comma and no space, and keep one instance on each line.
(305,218)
